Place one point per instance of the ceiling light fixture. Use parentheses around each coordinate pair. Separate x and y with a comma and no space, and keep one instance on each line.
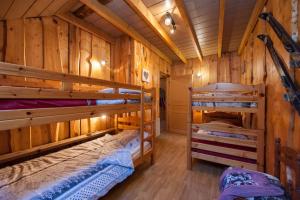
(170,22)
(168,19)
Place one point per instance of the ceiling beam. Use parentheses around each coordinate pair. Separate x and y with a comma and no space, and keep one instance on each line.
(221,27)
(142,11)
(187,21)
(119,23)
(251,23)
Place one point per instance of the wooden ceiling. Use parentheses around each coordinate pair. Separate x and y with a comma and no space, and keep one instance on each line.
(181,37)
(197,21)
(204,15)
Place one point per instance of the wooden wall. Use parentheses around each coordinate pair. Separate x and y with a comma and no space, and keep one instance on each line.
(258,67)
(211,70)
(53,44)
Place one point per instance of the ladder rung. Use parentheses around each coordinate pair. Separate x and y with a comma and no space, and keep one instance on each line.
(148,138)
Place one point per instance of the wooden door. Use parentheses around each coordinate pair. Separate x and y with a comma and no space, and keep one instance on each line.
(178,103)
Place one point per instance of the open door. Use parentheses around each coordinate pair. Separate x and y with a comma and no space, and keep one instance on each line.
(163,102)
(178,103)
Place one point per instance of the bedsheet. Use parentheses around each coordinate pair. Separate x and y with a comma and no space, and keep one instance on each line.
(95,162)
(226,104)
(226,135)
(121,91)
(53,103)
(251,185)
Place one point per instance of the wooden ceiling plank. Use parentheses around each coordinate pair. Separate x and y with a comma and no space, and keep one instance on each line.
(18,9)
(143,12)
(69,17)
(5,5)
(251,23)
(115,20)
(221,27)
(37,8)
(182,10)
(54,7)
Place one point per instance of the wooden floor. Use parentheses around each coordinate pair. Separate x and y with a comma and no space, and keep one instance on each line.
(168,178)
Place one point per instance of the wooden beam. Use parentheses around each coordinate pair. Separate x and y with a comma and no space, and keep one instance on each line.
(141,10)
(221,27)
(9,92)
(251,23)
(119,23)
(69,17)
(189,26)
(32,72)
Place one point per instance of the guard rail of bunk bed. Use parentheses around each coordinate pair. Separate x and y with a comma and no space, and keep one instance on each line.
(233,93)
(18,118)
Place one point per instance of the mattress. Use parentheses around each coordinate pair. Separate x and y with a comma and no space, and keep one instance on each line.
(84,171)
(240,136)
(223,144)
(226,104)
(250,185)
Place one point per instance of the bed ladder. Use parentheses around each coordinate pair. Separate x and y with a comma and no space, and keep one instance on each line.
(144,124)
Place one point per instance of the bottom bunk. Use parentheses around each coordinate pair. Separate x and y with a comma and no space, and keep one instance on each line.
(85,171)
(228,144)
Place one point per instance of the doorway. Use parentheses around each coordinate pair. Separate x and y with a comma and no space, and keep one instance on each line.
(163,102)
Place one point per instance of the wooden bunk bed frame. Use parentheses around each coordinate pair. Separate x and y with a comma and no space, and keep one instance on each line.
(235,93)
(288,158)
(18,118)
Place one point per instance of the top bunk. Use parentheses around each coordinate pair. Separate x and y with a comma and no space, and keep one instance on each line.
(34,96)
(228,97)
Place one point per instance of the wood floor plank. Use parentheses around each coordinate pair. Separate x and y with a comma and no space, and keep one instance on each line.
(168,177)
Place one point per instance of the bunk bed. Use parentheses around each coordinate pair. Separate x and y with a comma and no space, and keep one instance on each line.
(85,166)
(221,141)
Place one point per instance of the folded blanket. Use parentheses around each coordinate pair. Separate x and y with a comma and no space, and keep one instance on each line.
(237,182)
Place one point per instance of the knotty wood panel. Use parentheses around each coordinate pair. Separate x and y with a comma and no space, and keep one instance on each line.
(211,70)
(15,53)
(2,35)
(34,57)
(258,67)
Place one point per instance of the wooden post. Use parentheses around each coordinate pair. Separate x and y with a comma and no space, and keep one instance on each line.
(261,125)
(277,158)
(153,124)
(142,123)
(189,131)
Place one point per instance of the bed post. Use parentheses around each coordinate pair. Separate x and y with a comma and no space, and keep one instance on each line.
(277,158)
(261,125)
(153,124)
(189,130)
(142,124)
